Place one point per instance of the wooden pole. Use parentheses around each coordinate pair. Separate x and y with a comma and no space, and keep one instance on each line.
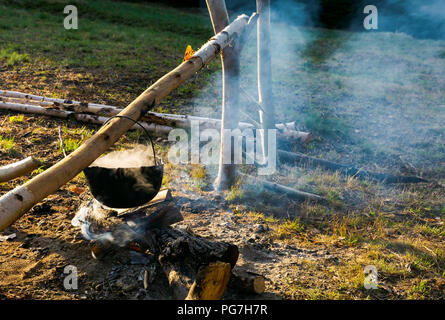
(264,72)
(229,116)
(18,201)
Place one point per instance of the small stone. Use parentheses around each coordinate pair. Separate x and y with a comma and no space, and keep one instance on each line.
(8,237)
(260,228)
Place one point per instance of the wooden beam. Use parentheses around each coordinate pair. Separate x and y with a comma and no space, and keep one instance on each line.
(281,189)
(157,123)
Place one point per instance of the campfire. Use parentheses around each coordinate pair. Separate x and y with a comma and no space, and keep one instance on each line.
(195,267)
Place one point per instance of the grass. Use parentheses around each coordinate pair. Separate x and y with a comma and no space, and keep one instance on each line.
(16,119)
(13,58)
(288,228)
(199,175)
(7,144)
(71,144)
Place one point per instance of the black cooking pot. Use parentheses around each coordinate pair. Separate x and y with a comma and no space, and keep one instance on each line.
(125,187)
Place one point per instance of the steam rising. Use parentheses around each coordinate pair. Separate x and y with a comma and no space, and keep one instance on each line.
(140,156)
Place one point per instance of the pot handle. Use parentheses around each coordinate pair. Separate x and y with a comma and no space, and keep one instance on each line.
(136,122)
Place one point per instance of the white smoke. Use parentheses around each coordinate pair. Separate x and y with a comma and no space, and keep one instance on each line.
(140,156)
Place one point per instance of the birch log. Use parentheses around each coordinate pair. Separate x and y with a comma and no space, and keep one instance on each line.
(18,201)
(18,169)
(267,111)
(280,189)
(81,117)
(229,116)
(158,123)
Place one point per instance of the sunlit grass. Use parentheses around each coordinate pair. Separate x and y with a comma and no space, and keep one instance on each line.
(7,144)
(17,118)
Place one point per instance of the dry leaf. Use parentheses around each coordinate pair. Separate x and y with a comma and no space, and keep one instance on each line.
(77,190)
(188,53)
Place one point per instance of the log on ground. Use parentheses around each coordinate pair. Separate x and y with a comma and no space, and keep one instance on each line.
(182,254)
(302,159)
(18,169)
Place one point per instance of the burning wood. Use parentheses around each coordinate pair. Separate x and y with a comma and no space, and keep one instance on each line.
(18,169)
(182,253)
(196,268)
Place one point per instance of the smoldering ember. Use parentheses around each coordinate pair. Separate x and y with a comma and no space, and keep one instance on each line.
(247,150)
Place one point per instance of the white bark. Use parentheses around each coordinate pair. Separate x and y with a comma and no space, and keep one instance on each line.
(87,118)
(286,131)
(18,169)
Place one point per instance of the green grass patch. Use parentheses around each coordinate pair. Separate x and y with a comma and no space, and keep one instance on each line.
(7,144)
(71,144)
(13,58)
(17,118)
(326,124)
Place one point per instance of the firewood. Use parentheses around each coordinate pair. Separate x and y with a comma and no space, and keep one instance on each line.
(211,282)
(163,195)
(181,254)
(154,122)
(123,235)
(278,188)
(18,169)
(18,201)
(87,118)
(247,282)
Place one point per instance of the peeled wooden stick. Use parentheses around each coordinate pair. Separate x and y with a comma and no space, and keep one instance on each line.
(81,117)
(18,169)
(18,201)
(230,95)
(158,123)
(278,188)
